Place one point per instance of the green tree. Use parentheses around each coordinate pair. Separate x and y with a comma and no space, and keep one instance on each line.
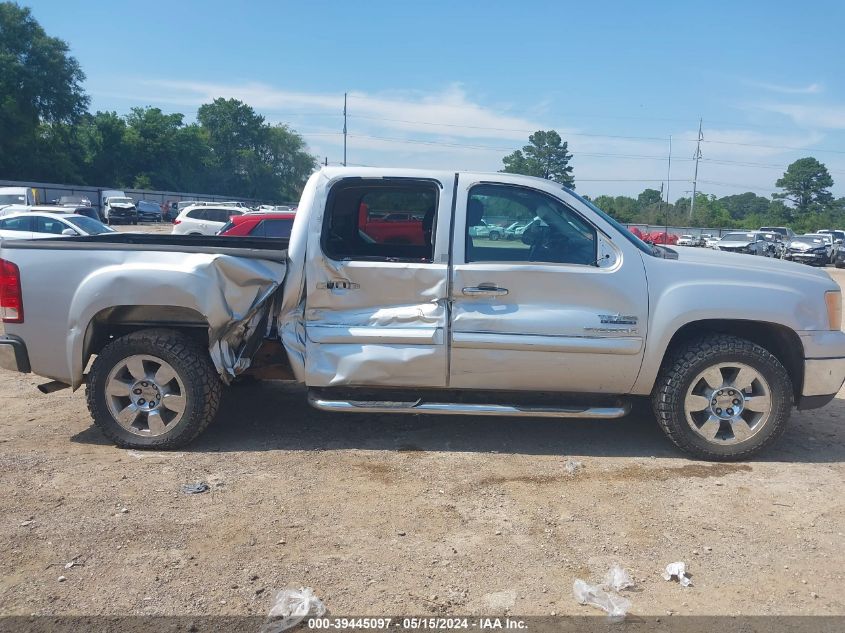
(745,204)
(649,197)
(545,156)
(806,184)
(40,86)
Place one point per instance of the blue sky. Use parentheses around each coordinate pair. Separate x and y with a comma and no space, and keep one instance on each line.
(459,84)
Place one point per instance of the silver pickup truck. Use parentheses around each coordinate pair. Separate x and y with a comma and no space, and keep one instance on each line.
(386,300)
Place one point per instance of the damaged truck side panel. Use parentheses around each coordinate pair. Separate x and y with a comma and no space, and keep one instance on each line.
(569,320)
(226,296)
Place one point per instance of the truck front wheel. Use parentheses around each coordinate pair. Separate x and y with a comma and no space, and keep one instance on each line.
(153,389)
(722,398)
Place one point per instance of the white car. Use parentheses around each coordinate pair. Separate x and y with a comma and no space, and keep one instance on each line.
(36,225)
(687,240)
(203,220)
(490,231)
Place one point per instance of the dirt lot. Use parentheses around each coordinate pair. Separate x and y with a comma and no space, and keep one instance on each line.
(399,515)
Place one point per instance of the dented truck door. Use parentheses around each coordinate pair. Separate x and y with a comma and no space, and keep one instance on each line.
(376,310)
(554,303)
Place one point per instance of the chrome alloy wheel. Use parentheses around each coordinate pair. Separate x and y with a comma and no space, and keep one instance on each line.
(728,403)
(145,395)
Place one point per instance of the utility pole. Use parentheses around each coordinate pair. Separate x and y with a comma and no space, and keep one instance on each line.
(668,181)
(344,129)
(695,177)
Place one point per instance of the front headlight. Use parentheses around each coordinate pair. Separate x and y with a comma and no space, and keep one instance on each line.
(833,299)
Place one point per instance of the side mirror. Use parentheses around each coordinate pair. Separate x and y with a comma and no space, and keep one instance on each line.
(69,232)
(838,242)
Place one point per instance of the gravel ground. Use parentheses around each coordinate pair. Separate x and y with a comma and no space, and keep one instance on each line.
(392,515)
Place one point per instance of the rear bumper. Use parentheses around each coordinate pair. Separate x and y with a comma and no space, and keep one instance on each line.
(13,355)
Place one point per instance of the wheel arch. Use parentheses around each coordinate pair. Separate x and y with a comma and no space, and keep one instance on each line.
(116,321)
(782,342)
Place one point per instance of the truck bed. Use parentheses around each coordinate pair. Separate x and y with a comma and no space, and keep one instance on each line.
(274,249)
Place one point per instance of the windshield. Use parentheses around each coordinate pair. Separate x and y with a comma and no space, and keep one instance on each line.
(738,237)
(645,248)
(12,198)
(120,200)
(90,226)
(805,239)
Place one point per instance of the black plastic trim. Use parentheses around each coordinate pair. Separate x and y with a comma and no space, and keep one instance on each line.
(814,402)
(21,355)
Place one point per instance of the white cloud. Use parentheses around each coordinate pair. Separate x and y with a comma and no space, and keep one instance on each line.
(829,117)
(809,89)
(450,129)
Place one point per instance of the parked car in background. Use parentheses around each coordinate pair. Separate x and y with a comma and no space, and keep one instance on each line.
(490,231)
(688,240)
(120,210)
(751,243)
(14,199)
(785,232)
(838,240)
(829,241)
(390,228)
(662,237)
(515,230)
(808,249)
(710,240)
(87,211)
(149,211)
(39,225)
(774,244)
(203,220)
(72,201)
(260,225)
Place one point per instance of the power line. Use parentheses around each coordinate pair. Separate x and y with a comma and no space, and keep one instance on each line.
(505,129)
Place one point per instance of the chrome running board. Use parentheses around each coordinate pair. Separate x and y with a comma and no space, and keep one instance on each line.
(456,408)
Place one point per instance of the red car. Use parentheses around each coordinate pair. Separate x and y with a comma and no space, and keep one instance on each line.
(391,228)
(259,225)
(662,237)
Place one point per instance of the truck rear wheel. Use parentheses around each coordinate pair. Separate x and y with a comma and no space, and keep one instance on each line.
(153,389)
(722,398)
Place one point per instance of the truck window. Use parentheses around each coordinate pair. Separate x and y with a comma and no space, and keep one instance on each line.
(392,219)
(508,223)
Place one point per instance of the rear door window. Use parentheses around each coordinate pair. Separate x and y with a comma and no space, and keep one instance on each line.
(16,224)
(390,220)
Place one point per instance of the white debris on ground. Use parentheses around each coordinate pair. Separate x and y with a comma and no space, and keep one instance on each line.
(614,605)
(291,607)
(571,466)
(678,571)
(618,578)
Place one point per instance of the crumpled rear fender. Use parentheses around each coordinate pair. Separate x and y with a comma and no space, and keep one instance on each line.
(233,295)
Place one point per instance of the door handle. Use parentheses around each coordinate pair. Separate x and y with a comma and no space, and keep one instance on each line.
(485,290)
